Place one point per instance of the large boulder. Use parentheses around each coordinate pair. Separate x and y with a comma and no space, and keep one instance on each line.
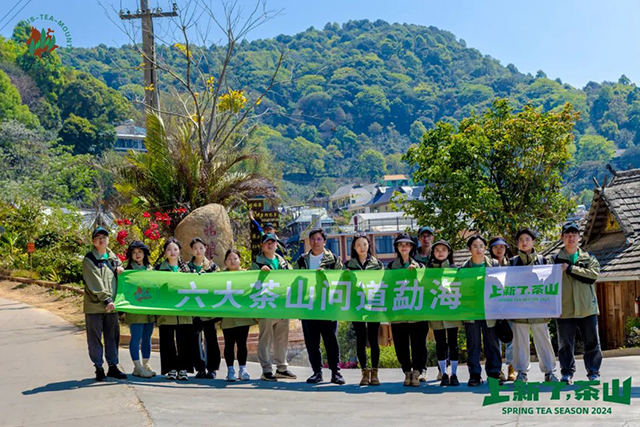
(211,223)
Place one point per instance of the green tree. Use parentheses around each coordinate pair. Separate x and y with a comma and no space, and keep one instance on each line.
(80,134)
(496,173)
(594,148)
(372,165)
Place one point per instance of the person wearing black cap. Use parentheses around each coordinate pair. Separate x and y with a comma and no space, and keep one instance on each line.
(579,306)
(423,254)
(527,255)
(274,333)
(361,259)
(207,361)
(319,258)
(408,336)
(425,238)
(498,250)
(100,269)
(445,332)
(481,331)
(140,325)
(269,228)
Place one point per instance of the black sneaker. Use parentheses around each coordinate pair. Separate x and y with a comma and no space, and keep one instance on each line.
(201,374)
(268,376)
(100,375)
(315,378)
(445,380)
(287,375)
(114,372)
(453,380)
(337,378)
(474,381)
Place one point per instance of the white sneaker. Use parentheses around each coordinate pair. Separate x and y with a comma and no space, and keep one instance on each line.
(182,376)
(244,375)
(231,375)
(172,375)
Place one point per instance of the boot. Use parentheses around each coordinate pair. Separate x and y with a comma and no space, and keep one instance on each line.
(374,377)
(415,378)
(502,377)
(145,365)
(138,370)
(407,379)
(365,377)
(512,374)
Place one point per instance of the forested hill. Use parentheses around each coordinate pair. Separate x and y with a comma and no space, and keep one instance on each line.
(349,93)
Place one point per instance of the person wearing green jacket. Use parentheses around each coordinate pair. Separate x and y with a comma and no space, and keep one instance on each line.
(445,332)
(140,325)
(579,306)
(481,331)
(273,341)
(527,255)
(235,330)
(100,269)
(408,336)
(177,346)
(320,258)
(361,259)
(207,361)
(425,238)
(498,247)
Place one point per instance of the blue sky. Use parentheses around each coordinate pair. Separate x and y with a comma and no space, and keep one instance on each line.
(577,41)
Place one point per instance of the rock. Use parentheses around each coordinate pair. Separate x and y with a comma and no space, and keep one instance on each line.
(211,223)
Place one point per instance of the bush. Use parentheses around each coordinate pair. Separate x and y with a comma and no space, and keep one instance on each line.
(632,329)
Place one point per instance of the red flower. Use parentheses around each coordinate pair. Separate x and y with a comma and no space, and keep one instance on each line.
(122,235)
(146,215)
(119,222)
(153,225)
(152,234)
(122,257)
(158,216)
(126,222)
(182,210)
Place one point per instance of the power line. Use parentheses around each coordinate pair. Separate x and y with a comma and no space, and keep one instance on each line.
(11,10)
(11,19)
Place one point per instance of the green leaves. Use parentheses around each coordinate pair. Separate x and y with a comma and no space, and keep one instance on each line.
(495,173)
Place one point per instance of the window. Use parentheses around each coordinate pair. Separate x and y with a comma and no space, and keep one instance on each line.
(349,240)
(384,244)
(334,246)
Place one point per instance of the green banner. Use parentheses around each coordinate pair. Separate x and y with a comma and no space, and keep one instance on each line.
(372,296)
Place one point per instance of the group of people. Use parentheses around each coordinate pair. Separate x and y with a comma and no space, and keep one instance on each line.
(190,344)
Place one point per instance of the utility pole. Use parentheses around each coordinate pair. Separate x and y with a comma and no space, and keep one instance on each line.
(146,15)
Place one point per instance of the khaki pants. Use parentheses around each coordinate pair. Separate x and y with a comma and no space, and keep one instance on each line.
(521,347)
(274,333)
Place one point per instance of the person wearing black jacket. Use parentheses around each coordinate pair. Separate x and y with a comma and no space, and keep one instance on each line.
(320,258)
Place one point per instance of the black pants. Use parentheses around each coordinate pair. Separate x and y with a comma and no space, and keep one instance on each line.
(408,340)
(566,341)
(235,337)
(364,331)
(98,326)
(425,353)
(446,339)
(313,330)
(210,356)
(176,348)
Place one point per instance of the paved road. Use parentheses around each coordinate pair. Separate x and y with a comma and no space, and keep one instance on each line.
(48,381)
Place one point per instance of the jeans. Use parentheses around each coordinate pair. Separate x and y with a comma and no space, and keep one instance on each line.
(478,333)
(140,340)
(98,326)
(566,344)
(364,331)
